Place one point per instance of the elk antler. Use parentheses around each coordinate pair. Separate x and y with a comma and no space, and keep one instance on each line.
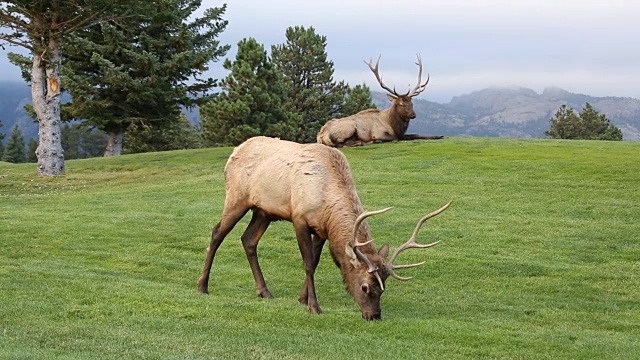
(411,93)
(359,220)
(412,244)
(419,87)
(378,77)
(372,268)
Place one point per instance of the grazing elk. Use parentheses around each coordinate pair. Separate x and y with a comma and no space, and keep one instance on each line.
(311,186)
(375,125)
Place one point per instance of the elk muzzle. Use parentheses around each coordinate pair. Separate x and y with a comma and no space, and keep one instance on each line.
(372,316)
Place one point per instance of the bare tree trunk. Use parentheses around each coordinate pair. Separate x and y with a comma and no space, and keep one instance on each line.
(114,145)
(45,97)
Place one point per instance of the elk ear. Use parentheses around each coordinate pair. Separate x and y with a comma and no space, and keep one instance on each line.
(384,251)
(391,97)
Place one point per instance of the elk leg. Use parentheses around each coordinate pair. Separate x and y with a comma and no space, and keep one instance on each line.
(352,143)
(419,137)
(318,243)
(218,234)
(303,234)
(258,225)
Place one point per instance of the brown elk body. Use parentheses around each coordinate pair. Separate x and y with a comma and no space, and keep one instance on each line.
(311,186)
(374,125)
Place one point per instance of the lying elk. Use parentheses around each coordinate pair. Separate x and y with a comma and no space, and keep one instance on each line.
(375,125)
(311,186)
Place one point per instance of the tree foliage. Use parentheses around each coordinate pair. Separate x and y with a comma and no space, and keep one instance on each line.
(358,98)
(142,69)
(1,143)
(308,74)
(81,142)
(32,146)
(588,125)
(252,101)
(165,136)
(14,152)
(40,26)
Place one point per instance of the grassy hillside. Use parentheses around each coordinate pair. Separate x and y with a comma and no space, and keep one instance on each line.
(539,258)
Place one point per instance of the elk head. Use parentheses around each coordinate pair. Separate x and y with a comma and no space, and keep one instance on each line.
(369,284)
(402,102)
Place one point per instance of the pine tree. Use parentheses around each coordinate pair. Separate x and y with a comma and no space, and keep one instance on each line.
(141,69)
(81,142)
(162,137)
(358,99)
(15,151)
(32,146)
(564,124)
(251,103)
(588,125)
(1,144)
(612,133)
(596,126)
(39,26)
(93,141)
(302,60)
(70,138)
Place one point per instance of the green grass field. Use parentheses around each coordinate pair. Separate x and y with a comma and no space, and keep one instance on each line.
(539,259)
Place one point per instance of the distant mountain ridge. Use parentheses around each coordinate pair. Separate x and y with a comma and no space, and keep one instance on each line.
(491,112)
(513,112)
(13,97)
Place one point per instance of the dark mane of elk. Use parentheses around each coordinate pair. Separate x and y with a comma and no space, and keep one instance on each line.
(374,125)
(315,191)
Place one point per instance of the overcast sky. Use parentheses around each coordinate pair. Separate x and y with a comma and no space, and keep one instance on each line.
(584,46)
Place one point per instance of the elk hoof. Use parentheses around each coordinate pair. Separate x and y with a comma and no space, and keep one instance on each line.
(315,309)
(265,294)
(370,317)
(203,287)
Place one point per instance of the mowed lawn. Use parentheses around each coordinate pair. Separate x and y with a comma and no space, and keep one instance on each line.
(539,258)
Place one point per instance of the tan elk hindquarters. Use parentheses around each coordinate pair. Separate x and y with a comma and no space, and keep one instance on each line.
(311,186)
(374,125)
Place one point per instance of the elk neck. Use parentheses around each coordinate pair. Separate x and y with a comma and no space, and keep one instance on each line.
(395,121)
